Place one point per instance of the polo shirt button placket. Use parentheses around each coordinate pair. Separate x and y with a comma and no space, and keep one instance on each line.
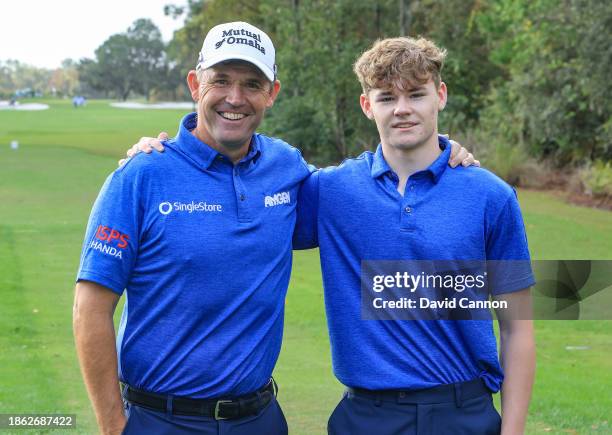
(408,218)
(242,206)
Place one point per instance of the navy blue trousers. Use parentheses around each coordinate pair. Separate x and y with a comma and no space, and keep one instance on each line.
(142,421)
(358,414)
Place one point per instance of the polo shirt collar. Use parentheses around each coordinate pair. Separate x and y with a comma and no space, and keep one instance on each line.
(379,164)
(435,170)
(202,153)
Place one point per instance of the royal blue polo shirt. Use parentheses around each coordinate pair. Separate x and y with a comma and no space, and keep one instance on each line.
(355,213)
(203,249)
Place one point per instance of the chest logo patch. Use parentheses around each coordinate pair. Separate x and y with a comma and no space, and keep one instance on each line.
(167,207)
(277,199)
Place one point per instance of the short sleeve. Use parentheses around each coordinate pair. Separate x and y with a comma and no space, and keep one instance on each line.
(305,234)
(509,266)
(111,240)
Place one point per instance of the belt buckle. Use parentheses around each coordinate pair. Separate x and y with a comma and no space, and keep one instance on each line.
(219,402)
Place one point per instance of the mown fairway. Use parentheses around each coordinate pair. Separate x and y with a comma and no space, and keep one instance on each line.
(46,190)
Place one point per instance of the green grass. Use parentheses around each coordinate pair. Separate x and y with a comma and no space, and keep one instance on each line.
(46,190)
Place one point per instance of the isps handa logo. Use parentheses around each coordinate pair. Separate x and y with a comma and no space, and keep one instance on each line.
(114,241)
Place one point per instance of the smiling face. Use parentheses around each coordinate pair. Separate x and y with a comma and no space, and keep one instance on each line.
(231,101)
(406,118)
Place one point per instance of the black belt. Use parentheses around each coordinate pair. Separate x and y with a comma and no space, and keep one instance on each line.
(458,393)
(219,409)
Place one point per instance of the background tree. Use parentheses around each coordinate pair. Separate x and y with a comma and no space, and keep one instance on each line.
(134,61)
(91,79)
(24,79)
(148,59)
(113,69)
(7,84)
(65,80)
(553,97)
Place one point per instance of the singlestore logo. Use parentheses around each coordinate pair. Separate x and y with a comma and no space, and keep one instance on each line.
(168,207)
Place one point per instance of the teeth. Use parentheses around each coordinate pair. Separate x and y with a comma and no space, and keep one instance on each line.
(232,116)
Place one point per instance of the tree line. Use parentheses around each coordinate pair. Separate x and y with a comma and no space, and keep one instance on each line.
(528,75)
(525,77)
(131,63)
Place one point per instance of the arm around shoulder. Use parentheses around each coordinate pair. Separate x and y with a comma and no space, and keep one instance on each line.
(305,234)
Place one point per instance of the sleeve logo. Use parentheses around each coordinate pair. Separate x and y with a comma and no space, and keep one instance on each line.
(114,241)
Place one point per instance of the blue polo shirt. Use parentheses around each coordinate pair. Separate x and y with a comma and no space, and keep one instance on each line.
(203,249)
(354,212)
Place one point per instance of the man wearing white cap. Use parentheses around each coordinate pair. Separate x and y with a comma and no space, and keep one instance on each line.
(199,237)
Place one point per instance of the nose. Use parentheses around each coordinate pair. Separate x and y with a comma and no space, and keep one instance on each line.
(402,106)
(235,95)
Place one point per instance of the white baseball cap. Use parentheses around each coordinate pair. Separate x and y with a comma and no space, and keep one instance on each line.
(238,41)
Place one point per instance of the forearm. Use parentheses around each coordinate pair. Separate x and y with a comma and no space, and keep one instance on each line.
(95,343)
(518,361)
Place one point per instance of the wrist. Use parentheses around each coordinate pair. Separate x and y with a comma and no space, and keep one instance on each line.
(512,428)
(114,427)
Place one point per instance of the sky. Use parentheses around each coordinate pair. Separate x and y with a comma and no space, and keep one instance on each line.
(45,32)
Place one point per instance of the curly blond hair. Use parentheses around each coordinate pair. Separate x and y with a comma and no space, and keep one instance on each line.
(403,62)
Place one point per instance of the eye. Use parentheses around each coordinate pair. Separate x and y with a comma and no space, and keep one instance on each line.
(254,85)
(417,95)
(385,99)
(220,82)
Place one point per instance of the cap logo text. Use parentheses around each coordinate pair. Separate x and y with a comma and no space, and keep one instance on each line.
(232,36)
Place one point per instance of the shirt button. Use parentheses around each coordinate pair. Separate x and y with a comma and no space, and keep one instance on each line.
(408,210)
(242,197)
(402,395)
(411,187)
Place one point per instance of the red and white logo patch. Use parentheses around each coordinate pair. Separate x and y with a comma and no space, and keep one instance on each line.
(114,241)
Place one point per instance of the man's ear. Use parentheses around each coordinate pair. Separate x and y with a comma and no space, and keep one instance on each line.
(366,106)
(194,85)
(276,87)
(442,96)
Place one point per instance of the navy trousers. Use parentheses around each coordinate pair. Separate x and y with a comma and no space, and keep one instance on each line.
(369,414)
(142,421)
